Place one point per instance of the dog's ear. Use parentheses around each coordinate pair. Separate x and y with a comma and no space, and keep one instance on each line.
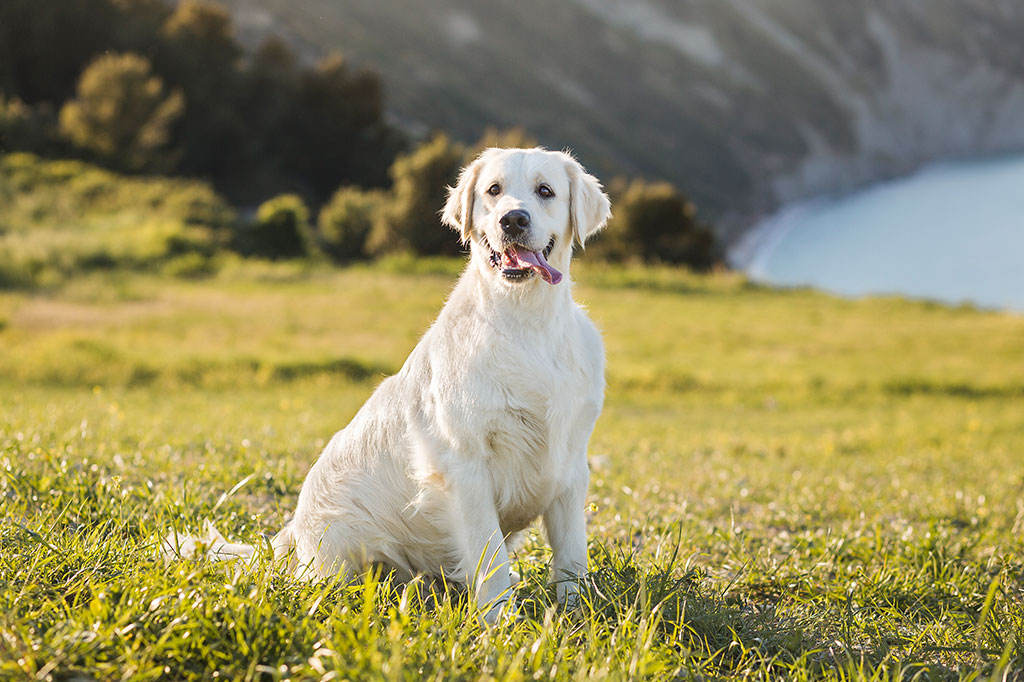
(589,207)
(458,210)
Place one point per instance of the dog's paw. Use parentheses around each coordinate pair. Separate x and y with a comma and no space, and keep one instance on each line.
(569,600)
(492,615)
(505,611)
(568,592)
(496,613)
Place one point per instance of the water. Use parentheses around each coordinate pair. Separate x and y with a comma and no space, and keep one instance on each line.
(951,232)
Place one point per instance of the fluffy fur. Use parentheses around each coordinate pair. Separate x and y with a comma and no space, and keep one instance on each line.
(485,427)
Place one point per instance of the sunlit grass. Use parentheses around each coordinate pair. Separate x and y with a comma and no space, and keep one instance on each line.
(784,485)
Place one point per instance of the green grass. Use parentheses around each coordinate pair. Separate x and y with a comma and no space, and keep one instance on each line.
(785,485)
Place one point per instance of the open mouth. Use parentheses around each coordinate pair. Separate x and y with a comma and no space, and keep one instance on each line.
(517,263)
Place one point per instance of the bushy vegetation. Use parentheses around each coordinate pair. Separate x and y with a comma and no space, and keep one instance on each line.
(144,86)
(508,138)
(62,218)
(409,220)
(253,125)
(805,489)
(655,223)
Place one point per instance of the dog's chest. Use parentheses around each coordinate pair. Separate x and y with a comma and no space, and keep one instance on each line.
(526,428)
(522,463)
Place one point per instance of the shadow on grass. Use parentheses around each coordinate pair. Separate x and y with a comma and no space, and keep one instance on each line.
(667,607)
(690,614)
(963,389)
(90,362)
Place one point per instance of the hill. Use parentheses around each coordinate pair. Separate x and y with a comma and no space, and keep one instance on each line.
(744,105)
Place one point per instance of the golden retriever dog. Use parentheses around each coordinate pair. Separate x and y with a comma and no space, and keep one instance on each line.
(485,427)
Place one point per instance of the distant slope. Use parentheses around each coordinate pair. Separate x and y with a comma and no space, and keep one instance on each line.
(743,103)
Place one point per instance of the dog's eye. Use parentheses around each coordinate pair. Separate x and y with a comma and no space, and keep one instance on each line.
(545,191)
(494,190)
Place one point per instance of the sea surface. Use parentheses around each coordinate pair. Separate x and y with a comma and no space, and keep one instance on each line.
(952,232)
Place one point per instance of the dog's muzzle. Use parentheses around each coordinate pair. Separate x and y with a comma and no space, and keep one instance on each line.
(517,262)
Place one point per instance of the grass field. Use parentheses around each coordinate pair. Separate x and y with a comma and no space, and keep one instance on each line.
(784,485)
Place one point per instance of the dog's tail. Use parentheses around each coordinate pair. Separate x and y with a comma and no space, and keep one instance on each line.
(210,542)
(214,545)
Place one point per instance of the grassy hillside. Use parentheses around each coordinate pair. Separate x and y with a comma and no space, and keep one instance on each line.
(784,484)
(60,218)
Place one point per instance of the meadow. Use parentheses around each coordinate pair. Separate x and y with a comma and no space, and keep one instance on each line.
(785,485)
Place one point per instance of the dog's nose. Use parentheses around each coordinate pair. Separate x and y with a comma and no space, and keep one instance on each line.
(514,222)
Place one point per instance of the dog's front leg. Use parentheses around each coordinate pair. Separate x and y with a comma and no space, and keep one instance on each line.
(485,557)
(565,524)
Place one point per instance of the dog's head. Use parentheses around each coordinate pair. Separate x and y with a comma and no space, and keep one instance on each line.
(520,210)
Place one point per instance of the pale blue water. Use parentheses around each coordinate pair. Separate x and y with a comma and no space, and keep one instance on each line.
(952,232)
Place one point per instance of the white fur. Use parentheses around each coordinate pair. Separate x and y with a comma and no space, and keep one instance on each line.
(485,427)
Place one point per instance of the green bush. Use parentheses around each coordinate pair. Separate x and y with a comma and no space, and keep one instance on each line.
(410,220)
(654,223)
(281,230)
(346,221)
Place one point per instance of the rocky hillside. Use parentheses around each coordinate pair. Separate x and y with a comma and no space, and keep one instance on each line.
(744,103)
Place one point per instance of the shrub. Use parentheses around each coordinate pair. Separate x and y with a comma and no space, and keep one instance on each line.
(346,221)
(410,220)
(281,230)
(122,113)
(654,223)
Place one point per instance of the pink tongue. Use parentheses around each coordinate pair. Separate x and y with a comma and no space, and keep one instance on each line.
(535,260)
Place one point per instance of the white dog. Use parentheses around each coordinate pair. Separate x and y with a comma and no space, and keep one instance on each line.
(485,427)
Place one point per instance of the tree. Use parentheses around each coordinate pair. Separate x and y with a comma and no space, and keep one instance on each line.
(653,222)
(201,34)
(198,53)
(123,113)
(266,92)
(410,222)
(45,45)
(335,131)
